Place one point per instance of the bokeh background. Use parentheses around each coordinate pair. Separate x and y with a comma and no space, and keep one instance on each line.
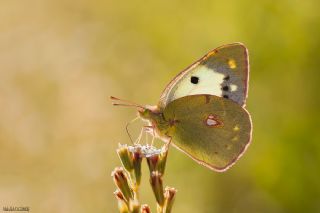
(61,60)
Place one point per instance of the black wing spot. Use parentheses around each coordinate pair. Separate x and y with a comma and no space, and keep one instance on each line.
(225,88)
(226,96)
(226,78)
(194,79)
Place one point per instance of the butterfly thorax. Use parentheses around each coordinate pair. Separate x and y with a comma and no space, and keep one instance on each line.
(155,117)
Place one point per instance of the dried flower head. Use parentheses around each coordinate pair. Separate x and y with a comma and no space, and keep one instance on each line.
(128,178)
(157,187)
(121,181)
(125,157)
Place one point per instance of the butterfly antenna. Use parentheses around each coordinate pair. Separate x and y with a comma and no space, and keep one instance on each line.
(122,102)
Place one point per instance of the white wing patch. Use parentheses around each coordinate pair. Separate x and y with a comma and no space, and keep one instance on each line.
(233,87)
(207,81)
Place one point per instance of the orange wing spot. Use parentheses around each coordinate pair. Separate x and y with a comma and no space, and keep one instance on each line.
(235,138)
(213,52)
(232,63)
(228,147)
(213,121)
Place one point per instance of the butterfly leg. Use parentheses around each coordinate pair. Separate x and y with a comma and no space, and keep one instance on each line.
(152,139)
(149,129)
(139,138)
(147,139)
(127,128)
(167,144)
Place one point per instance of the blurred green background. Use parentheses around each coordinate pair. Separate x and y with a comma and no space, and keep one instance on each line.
(61,60)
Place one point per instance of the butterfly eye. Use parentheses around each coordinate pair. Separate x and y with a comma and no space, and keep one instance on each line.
(194,79)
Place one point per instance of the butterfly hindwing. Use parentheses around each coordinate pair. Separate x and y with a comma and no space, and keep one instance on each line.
(212,130)
(222,72)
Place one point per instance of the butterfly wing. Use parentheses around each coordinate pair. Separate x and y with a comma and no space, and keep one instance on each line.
(222,72)
(214,131)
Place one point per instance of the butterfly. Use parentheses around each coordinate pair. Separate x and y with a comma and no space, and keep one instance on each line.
(201,111)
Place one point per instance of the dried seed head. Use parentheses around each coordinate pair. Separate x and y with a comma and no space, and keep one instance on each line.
(122,203)
(157,187)
(162,160)
(146,150)
(152,161)
(125,157)
(169,198)
(137,159)
(128,180)
(157,160)
(121,181)
(123,207)
(145,209)
(119,195)
(134,206)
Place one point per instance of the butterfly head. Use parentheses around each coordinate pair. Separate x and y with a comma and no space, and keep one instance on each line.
(148,112)
(154,116)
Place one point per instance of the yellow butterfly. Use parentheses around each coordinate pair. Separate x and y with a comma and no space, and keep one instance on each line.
(201,111)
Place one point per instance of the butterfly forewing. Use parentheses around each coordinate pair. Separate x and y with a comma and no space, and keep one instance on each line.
(212,130)
(222,72)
